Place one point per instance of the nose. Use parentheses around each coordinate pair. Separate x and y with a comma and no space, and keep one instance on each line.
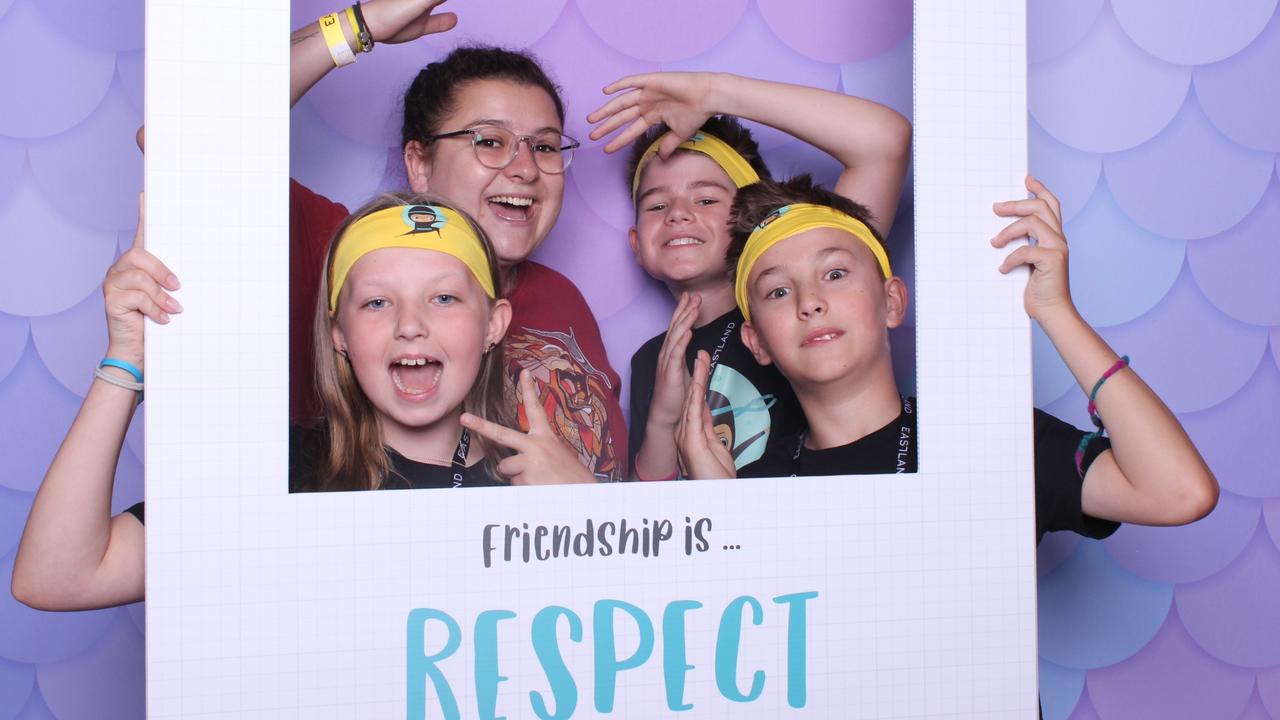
(411,324)
(679,211)
(809,302)
(522,167)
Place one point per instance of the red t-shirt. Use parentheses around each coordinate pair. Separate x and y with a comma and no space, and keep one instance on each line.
(552,333)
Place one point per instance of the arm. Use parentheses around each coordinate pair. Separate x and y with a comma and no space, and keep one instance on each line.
(1153,475)
(390,21)
(73,554)
(871,141)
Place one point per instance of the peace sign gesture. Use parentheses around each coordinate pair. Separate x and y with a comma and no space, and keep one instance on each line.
(541,456)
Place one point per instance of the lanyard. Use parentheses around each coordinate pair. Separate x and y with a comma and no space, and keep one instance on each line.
(459,464)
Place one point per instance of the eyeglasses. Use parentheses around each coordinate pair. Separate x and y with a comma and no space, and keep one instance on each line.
(496,147)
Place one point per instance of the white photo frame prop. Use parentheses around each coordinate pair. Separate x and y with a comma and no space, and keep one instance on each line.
(864,597)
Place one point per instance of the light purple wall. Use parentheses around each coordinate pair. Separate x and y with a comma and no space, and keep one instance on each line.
(1156,122)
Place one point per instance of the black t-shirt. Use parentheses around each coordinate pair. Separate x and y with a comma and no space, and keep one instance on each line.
(752,406)
(308,447)
(893,449)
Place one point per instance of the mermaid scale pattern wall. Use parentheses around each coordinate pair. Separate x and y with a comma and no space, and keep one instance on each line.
(1155,122)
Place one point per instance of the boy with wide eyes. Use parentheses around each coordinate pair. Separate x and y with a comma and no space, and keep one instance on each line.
(817,291)
(686,166)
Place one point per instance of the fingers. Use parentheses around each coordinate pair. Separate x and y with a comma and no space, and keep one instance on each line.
(533,409)
(141,138)
(614,106)
(1032,226)
(1037,257)
(504,436)
(1041,191)
(139,259)
(513,467)
(669,143)
(630,81)
(138,239)
(1034,207)
(143,302)
(627,136)
(614,121)
(121,283)
(444,22)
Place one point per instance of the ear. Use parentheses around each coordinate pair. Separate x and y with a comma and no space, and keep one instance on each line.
(634,238)
(896,301)
(751,339)
(336,335)
(417,166)
(499,319)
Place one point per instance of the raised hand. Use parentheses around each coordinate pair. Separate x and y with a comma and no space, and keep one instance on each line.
(681,100)
(671,383)
(136,286)
(541,456)
(399,21)
(702,455)
(1040,219)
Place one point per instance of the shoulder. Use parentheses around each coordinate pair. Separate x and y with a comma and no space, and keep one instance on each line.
(647,355)
(536,275)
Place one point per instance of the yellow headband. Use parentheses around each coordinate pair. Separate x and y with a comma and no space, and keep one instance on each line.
(424,227)
(790,220)
(737,167)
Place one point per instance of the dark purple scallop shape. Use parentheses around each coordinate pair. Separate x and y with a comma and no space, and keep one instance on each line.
(35,709)
(1255,710)
(582,84)
(838,32)
(1160,190)
(1191,552)
(662,30)
(1055,27)
(1237,269)
(886,78)
(76,256)
(623,332)
(35,411)
(1237,437)
(1055,549)
(1236,100)
(1170,677)
(329,163)
(70,343)
(13,341)
(14,507)
(1084,709)
(1072,175)
(61,81)
(1080,98)
(1060,689)
(16,683)
(580,244)
(1093,613)
(752,50)
(129,67)
(1271,518)
(600,179)
(103,146)
(13,154)
(1269,689)
(1234,615)
(108,674)
(1109,253)
(102,25)
(1187,32)
(1188,351)
(33,636)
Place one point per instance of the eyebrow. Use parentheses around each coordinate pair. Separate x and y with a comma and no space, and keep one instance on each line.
(507,126)
(821,255)
(694,185)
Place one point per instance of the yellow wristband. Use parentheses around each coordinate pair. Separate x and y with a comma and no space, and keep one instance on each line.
(355,29)
(339,49)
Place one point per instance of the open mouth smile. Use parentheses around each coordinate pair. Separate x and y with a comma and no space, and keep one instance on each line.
(415,377)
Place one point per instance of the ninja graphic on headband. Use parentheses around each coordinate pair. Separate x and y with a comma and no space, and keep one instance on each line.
(423,218)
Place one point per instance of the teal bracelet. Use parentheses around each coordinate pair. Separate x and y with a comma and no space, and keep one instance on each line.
(127,367)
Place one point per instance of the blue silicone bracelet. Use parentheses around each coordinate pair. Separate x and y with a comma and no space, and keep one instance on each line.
(127,367)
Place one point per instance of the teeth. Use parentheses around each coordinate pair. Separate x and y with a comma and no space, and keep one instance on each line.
(512,200)
(411,361)
(683,241)
(435,380)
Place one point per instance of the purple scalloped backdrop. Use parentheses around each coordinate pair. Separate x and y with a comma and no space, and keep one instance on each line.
(1156,121)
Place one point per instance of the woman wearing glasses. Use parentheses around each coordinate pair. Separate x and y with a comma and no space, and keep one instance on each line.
(482,127)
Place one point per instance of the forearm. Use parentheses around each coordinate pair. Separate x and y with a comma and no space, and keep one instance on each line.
(1159,476)
(309,58)
(656,459)
(871,141)
(63,556)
